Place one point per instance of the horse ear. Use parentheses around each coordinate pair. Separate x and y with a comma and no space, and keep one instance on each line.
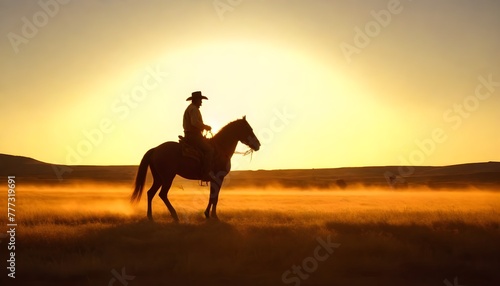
(245,117)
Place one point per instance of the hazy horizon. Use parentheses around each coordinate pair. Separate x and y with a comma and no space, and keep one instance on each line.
(118,165)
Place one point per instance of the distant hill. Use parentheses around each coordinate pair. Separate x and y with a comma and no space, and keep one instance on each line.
(480,175)
(22,166)
(33,171)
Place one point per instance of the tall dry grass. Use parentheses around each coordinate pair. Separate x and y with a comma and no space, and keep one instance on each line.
(79,235)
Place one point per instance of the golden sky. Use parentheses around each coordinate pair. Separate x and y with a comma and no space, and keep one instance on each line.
(323,83)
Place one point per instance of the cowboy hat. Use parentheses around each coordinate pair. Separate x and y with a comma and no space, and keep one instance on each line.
(196,95)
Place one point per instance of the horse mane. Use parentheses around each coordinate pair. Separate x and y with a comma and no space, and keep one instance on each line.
(228,128)
(227,131)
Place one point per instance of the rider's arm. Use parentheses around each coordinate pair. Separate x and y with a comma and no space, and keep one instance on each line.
(197,120)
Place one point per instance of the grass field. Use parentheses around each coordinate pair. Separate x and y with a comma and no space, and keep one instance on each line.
(91,235)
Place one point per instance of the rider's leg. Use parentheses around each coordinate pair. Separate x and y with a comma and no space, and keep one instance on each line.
(208,153)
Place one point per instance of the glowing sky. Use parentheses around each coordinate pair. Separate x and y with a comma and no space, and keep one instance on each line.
(323,83)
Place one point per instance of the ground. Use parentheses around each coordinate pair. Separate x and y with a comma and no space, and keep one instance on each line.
(91,235)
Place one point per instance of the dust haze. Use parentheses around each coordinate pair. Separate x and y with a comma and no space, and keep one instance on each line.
(191,199)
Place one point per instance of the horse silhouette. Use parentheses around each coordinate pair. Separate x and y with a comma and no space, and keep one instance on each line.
(166,161)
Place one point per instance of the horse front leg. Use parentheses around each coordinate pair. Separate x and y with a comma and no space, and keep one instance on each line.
(211,209)
(207,210)
(212,205)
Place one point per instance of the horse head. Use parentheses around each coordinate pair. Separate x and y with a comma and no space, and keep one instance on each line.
(246,135)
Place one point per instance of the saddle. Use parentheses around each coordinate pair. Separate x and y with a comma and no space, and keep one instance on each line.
(190,151)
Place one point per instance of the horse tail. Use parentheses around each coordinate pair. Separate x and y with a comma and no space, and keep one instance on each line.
(141,177)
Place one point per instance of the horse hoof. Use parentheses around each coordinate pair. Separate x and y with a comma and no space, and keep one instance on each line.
(206,215)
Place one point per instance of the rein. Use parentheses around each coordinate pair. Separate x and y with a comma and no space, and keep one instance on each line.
(247,152)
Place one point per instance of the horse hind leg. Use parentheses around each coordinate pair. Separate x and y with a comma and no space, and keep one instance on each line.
(151,193)
(164,196)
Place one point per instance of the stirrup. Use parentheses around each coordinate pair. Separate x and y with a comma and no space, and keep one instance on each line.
(211,177)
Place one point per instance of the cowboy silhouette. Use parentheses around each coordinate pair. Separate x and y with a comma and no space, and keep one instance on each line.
(193,131)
